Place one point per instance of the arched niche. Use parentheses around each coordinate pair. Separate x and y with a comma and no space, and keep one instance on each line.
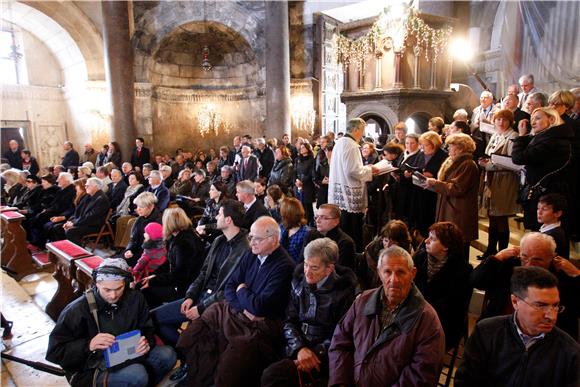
(203,109)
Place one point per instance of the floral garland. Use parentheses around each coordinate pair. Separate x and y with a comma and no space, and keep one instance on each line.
(354,50)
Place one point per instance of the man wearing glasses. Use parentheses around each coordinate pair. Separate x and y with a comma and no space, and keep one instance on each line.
(536,249)
(327,221)
(234,341)
(524,348)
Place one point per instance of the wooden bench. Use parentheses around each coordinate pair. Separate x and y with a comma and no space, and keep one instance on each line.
(85,267)
(63,254)
(15,255)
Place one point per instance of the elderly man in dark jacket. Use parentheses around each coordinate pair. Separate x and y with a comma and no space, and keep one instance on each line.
(390,335)
(71,157)
(92,217)
(321,294)
(524,348)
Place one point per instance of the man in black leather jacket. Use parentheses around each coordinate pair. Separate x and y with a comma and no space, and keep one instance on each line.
(321,294)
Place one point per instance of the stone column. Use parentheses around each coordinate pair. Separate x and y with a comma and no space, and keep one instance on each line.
(346,77)
(416,53)
(398,76)
(378,71)
(119,73)
(277,69)
(361,76)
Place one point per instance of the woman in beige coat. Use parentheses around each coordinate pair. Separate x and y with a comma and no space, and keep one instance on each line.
(457,185)
(501,184)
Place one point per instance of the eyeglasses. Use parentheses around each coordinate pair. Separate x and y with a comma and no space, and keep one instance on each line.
(323,217)
(545,308)
(257,239)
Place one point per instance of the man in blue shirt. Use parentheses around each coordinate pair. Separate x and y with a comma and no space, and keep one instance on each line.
(234,341)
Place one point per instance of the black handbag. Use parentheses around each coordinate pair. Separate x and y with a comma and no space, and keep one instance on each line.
(531,193)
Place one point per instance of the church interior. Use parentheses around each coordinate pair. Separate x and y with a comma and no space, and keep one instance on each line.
(194,74)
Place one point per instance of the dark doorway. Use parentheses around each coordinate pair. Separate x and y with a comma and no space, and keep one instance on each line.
(9,134)
(421,120)
(381,126)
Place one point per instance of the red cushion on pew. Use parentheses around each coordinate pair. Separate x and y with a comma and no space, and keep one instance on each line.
(41,257)
(70,248)
(91,262)
(12,214)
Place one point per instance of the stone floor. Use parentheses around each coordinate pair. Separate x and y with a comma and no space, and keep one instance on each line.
(24,302)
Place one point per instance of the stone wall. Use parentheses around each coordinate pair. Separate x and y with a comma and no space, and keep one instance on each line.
(175,95)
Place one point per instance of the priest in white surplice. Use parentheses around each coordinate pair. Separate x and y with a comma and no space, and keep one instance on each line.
(347,181)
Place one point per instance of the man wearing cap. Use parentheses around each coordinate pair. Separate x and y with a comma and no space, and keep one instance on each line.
(78,343)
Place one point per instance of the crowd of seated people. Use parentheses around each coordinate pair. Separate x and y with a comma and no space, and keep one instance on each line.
(243,245)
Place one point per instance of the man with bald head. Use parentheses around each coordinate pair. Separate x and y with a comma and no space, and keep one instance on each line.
(12,154)
(536,249)
(510,102)
(234,341)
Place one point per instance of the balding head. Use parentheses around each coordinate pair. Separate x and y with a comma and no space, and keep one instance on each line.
(537,249)
(264,236)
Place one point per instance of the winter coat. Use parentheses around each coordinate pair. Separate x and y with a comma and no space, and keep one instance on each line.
(457,186)
(496,356)
(68,343)
(304,172)
(314,312)
(501,184)
(448,291)
(185,255)
(282,174)
(408,352)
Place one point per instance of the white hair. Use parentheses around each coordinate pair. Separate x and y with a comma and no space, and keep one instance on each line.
(486,93)
(67,176)
(395,251)
(156,174)
(544,239)
(527,77)
(96,182)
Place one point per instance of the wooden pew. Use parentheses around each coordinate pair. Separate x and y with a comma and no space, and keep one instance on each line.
(85,267)
(63,254)
(15,254)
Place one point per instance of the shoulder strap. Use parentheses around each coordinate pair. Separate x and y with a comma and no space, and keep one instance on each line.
(539,183)
(93,306)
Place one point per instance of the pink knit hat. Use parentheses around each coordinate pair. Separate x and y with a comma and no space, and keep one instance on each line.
(154,230)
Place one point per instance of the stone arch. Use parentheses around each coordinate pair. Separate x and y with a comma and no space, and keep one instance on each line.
(375,108)
(68,32)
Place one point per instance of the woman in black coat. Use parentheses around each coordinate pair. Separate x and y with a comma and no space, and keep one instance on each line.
(304,174)
(185,256)
(443,279)
(321,173)
(424,201)
(282,172)
(547,156)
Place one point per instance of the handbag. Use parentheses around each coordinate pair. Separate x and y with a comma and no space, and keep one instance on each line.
(531,193)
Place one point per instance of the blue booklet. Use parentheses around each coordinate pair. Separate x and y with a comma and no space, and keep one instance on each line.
(124,348)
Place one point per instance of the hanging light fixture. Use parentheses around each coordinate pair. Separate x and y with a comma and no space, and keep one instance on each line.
(205,63)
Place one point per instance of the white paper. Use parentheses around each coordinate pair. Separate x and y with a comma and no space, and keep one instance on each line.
(384,166)
(506,162)
(484,127)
